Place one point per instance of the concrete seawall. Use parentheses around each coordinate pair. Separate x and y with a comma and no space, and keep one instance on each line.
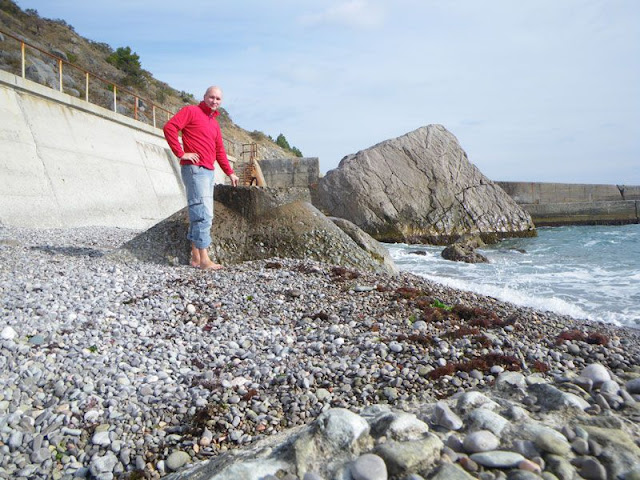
(66,162)
(291,172)
(551,204)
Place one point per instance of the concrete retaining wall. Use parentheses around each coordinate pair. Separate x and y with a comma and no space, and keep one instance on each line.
(290,172)
(576,204)
(65,162)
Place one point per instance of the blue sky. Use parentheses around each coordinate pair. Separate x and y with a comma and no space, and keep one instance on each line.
(534,90)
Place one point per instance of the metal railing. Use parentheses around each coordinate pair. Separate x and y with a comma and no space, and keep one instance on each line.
(155,109)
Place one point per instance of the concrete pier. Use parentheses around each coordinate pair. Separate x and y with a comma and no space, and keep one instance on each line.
(552,204)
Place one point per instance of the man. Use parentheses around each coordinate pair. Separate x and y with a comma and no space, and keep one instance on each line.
(201,147)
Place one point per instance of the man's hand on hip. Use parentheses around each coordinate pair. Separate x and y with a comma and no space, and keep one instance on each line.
(191,157)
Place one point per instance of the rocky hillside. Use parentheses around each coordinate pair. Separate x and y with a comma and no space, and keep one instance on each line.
(120,66)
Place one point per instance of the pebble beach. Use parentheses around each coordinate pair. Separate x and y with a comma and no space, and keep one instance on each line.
(113,368)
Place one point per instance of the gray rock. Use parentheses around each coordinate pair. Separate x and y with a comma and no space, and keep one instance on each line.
(8,333)
(522,475)
(511,380)
(101,436)
(553,398)
(526,447)
(480,441)
(103,464)
(399,426)
(366,242)
(342,428)
(554,443)
(177,459)
(449,471)
(471,400)
(560,467)
(498,459)
(446,418)
(597,373)
(633,386)
(312,476)
(377,190)
(609,387)
(619,451)
(459,252)
(252,224)
(15,440)
(369,467)
(484,419)
(403,457)
(39,455)
(592,469)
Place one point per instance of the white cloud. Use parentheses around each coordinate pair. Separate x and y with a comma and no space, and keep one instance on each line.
(354,13)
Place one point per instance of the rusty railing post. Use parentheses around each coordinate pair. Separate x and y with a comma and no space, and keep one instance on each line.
(60,72)
(24,74)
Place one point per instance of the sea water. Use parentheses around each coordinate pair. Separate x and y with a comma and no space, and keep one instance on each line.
(586,272)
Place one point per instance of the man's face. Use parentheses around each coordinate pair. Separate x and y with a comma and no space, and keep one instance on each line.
(213,98)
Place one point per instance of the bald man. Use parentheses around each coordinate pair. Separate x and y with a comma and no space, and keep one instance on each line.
(201,148)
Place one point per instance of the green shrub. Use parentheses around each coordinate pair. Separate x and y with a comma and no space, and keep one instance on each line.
(281,141)
(129,63)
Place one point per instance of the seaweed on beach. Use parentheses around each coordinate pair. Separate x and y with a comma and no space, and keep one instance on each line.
(383,288)
(539,366)
(480,317)
(409,293)
(472,333)
(340,273)
(592,338)
(482,364)
(417,338)
(434,315)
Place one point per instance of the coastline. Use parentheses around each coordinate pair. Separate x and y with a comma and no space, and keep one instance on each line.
(142,353)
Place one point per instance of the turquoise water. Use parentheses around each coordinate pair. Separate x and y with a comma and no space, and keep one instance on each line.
(586,272)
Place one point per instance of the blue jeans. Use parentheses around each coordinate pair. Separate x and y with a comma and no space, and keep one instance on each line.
(198,181)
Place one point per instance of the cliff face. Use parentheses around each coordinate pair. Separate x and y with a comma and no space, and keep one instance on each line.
(60,39)
(420,188)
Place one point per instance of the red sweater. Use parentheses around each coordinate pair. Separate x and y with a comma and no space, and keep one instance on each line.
(200,134)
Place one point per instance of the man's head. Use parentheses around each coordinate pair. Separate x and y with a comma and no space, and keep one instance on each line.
(213,97)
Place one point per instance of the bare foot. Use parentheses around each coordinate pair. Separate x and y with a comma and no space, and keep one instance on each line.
(210,266)
(195,257)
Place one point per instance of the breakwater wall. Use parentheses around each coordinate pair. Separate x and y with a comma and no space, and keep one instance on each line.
(551,204)
(291,172)
(67,163)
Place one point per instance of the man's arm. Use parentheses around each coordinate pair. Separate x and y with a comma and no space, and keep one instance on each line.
(223,161)
(171,129)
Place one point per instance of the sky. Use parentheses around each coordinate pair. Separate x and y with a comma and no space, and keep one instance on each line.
(534,90)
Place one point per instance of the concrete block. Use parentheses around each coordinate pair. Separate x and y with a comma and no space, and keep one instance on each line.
(290,172)
(536,192)
(585,213)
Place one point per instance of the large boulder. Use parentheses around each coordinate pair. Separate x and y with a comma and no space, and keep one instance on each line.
(419,188)
(253,223)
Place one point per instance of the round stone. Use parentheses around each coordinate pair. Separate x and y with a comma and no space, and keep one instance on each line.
(177,459)
(480,441)
(369,467)
(597,373)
